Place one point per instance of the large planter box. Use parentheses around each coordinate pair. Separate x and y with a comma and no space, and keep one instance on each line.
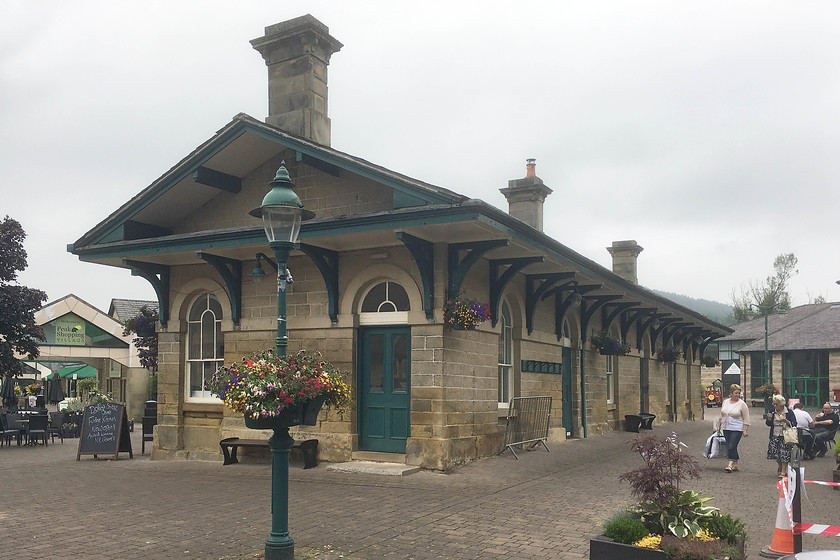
(604,548)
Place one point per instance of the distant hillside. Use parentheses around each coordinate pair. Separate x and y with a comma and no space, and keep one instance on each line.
(716,311)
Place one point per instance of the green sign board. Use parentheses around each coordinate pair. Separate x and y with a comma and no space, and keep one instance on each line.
(69,332)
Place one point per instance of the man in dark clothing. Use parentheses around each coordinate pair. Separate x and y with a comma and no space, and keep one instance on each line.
(825,425)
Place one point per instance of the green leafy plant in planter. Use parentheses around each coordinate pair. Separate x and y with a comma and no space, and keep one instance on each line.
(464,314)
(681,524)
(608,345)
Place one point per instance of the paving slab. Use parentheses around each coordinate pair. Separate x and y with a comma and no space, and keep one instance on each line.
(544,505)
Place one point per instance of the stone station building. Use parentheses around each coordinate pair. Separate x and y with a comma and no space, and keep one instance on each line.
(371,275)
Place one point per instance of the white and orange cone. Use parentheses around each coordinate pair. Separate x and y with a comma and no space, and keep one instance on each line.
(782,543)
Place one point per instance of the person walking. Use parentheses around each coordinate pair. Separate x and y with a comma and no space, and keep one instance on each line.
(779,418)
(735,422)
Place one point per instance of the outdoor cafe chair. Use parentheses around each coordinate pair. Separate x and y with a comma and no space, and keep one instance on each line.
(15,423)
(37,428)
(56,426)
(7,433)
(147,428)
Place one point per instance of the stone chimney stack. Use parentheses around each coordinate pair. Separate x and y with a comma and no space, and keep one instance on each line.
(624,256)
(526,196)
(297,53)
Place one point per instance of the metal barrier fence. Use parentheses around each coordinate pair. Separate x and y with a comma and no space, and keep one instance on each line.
(527,422)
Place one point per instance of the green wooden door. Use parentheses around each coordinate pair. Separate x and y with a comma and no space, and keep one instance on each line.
(566,369)
(384,388)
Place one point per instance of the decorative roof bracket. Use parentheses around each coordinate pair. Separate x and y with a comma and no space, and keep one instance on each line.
(231,272)
(499,282)
(607,317)
(424,255)
(458,268)
(534,294)
(327,263)
(588,307)
(158,276)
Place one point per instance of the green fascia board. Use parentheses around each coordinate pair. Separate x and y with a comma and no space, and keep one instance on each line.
(110,230)
(312,229)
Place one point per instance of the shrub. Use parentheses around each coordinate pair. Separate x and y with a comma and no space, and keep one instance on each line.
(666,465)
(625,530)
(725,527)
(683,515)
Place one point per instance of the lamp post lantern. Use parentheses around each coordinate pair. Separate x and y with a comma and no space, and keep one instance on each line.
(281,212)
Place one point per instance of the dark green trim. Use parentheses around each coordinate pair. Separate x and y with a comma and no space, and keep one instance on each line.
(327,263)
(642,326)
(535,366)
(158,276)
(231,272)
(424,255)
(458,268)
(654,333)
(534,293)
(499,282)
(217,179)
(629,317)
(607,318)
(328,168)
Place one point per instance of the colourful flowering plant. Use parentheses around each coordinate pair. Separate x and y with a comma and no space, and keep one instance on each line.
(608,345)
(465,314)
(265,384)
(668,354)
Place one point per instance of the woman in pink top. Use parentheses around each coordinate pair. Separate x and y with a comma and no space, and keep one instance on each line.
(734,421)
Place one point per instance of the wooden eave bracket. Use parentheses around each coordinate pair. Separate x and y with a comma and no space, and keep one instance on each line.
(424,255)
(534,293)
(458,268)
(158,276)
(231,272)
(498,282)
(327,263)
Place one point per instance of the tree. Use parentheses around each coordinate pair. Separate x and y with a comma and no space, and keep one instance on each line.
(18,304)
(769,295)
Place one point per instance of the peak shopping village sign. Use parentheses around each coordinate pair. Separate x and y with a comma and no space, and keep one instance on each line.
(69,331)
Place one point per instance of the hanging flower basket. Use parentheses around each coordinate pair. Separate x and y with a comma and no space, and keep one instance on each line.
(668,354)
(609,346)
(709,361)
(273,391)
(463,314)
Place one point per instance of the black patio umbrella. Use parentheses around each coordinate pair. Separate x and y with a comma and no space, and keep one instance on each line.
(55,391)
(7,393)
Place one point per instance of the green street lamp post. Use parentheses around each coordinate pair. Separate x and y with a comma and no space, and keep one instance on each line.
(281,212)
(766,311)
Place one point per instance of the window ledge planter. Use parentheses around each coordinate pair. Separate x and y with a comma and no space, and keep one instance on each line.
(604,548)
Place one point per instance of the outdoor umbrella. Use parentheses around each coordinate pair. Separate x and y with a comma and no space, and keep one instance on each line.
(55,393)
(8,394)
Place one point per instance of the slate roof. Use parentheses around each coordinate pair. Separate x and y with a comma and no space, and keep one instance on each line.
(807,327)
(125,309)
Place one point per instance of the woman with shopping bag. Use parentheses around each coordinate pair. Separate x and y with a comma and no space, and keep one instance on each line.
(780,417)
(735,422)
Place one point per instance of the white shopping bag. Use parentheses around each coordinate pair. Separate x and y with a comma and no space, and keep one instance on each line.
(715,446)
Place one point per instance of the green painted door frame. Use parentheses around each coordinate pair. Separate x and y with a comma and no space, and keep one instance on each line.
(384,388)
(566,370)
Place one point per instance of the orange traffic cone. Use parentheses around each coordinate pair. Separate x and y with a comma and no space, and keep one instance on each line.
(783,534)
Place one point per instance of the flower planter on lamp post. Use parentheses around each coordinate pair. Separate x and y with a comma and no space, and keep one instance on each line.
(281,212)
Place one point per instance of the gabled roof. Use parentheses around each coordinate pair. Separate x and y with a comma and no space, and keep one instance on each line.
(234,151)
(807,327)
(124,309)
(138,233)
(79,307)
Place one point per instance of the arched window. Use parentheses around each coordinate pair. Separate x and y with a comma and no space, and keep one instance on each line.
(505,356)
(205,344)
(386,303)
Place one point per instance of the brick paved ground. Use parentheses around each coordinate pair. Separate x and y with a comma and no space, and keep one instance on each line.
(52,506)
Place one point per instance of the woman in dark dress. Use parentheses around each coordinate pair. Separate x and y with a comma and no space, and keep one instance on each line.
(779,418)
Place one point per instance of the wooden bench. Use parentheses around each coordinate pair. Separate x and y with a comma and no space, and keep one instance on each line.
(308,447)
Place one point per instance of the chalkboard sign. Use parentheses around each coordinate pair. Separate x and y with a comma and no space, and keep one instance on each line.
(104,431)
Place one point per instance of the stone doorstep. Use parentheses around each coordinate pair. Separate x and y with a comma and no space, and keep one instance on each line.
(371,462)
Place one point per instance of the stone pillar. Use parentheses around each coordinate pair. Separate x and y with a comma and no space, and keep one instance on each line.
(297,53)
(624,255)
(526,197)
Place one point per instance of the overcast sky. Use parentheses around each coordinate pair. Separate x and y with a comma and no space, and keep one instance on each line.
(706,131)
